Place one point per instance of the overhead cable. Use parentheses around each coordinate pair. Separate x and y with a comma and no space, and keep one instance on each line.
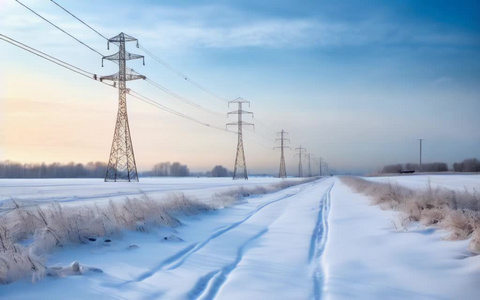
(51,23)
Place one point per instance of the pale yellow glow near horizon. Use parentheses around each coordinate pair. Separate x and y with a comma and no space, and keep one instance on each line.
(41,131)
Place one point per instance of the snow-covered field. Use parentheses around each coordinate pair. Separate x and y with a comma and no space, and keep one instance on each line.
(453,182)
(310,241)
(79,190)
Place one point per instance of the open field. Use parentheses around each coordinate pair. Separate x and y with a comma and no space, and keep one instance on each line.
(448,181)
(85,190)
(315,240)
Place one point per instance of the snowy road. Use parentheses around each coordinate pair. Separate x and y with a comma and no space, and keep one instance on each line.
(268,248)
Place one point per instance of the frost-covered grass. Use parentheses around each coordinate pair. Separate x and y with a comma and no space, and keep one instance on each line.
(29,232)
(456,211)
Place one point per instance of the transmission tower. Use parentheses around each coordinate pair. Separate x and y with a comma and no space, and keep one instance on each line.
(240,170)
(121,164)
(301,151)
(283,172)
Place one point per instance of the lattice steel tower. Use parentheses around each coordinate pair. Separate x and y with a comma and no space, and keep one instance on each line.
(121,164)
(283,172)
(301,151)
(240,170)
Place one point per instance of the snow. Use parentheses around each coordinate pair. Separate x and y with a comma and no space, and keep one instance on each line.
(310,241)
(453,182)
(85,190)
(367,258)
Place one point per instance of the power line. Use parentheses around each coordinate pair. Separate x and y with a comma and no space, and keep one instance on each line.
(162,107)
(94,77)
(183,99)
(79,20)
(49,58)
(156,58)
(266,126)
(168,66)
(179,73)
(268,139)
(182,75)
(59,28)
(150,81)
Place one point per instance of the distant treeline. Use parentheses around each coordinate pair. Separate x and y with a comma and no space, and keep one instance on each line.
(468,165)
(176,169)
(9,169)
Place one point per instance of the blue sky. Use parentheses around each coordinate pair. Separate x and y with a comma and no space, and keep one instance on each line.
(356,82)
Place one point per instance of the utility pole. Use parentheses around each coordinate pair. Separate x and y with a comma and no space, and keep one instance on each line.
(121,164)
(420,154)
(283,172)
(309,166)
(320,166)
(240,170)
(301,151)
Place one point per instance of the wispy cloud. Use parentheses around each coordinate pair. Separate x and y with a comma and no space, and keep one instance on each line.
(172,28)
(222,26)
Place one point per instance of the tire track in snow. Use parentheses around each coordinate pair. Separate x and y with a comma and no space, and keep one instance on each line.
(208,286)
(318,242)
(180,257)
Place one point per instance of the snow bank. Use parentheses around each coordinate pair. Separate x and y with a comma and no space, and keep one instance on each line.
(456,211)
(367,258)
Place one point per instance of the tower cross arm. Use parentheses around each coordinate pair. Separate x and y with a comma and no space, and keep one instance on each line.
(128,56)
(239,100)
(130,75)
(239,112)
(242,123)
(121,38)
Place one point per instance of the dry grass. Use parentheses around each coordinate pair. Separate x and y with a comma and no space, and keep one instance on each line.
(28,233)
(456,211)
